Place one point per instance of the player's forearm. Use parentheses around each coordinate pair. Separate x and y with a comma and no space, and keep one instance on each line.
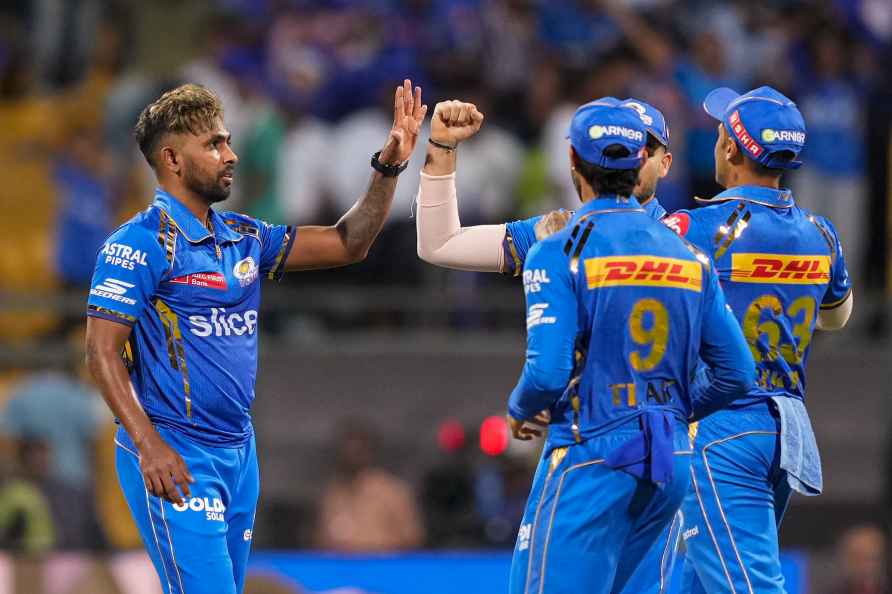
(441,239)
(439,161)
(111,377)
(359,227)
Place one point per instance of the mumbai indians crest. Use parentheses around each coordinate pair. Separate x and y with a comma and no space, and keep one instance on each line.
(245,271)
(642,113)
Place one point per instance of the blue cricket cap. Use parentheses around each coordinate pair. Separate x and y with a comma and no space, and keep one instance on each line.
(766,124)
(603,123)
(653,118)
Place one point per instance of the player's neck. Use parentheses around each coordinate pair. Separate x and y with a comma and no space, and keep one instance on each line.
(745,177)
(192,201)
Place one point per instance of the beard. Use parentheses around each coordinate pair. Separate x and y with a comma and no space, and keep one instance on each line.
(211,189)
(644,192)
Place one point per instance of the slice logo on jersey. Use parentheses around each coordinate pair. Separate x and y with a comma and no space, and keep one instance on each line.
(208,280)
(248,535)
(245,271)
(679,222)
(221,323)
(780,268)
(643,271)
(114,289)
(119,254)
(212,507)
(744,137)
(537,317)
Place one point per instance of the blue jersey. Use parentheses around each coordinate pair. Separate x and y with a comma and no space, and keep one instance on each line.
(619,314)
(521,235)
(778,265)
(192,297)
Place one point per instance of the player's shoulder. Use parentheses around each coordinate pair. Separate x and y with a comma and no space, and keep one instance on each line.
(143,228)
(244,224)
(550,248)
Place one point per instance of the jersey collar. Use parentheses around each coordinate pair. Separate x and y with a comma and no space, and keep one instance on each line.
(606,204)
(192,229)
(782,198)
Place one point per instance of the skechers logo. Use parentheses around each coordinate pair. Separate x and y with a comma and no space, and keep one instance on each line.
(780,268)
(212,507)
(114,289)
(537,317)
(224,324)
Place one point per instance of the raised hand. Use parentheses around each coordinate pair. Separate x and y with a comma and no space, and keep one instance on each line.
(408,114)
(454,121)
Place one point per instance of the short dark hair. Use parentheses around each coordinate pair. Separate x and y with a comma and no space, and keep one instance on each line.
(189,108)
(609,181)
(764,170)
(653,143)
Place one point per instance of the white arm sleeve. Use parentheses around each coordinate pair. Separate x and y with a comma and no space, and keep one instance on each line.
(441,238)
(836,318)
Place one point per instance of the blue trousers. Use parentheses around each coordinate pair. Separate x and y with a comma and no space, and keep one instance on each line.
(588,527)
(737,500)
(201,547)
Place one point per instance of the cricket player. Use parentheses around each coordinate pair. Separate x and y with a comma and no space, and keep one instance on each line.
(619,315)
(177,290)
(503,248)
(784,275)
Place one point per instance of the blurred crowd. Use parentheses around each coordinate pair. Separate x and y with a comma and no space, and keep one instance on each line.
(307,86)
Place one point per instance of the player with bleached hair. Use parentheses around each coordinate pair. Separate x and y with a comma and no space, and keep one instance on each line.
(177,290)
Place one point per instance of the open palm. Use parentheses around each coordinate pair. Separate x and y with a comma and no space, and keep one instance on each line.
(408,114)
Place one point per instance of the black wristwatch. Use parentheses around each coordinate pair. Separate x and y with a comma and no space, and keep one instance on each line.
(387,170)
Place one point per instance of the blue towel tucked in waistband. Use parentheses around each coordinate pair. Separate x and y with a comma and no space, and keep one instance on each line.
(648,455)
(799,450)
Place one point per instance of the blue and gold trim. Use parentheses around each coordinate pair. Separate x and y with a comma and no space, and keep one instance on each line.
(175,349)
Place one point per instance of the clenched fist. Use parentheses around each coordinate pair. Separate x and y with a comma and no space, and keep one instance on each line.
(454,121)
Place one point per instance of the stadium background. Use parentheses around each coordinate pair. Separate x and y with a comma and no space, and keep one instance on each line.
(376,381)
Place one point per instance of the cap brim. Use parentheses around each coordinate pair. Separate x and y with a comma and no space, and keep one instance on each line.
(718,100)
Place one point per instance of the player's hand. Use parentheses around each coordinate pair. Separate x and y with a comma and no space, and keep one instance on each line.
(164,470)
(455,121)
(527,429)
(408,114)
(552,223)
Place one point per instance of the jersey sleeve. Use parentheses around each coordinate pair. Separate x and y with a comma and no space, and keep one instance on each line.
(840,284)
(724,350)
(276,242)
(520,236)
(129,268)
(551,332)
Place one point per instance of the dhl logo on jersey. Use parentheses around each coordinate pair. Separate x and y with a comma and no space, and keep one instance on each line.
(643,271)
(780,268)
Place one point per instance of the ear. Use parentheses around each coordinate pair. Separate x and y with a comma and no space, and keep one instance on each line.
(170,159)
(732,151)
(665,164)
